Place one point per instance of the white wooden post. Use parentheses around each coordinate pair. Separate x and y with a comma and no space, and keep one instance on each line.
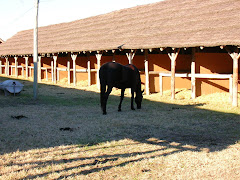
(114,57)
(193,72)
(98,56)
(173,57)
(26,66)
(39,69)
(68,70)
(55,68)
(235,55)
(146,72)
(161,84)
(230,89)
(16,66)
(7,66)
(130,57)
(58,76)
(22,71)
(0,67)
(74,57)
(52,67)
(89,69)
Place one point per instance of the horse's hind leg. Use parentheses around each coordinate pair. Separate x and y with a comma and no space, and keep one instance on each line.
(121,99)
(109,90)
(102,98)
(132,98)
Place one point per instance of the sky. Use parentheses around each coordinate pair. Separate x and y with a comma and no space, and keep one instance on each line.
(18,15)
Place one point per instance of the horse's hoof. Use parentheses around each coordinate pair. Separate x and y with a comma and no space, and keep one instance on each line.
(133,108)
(104,113)
(119,110)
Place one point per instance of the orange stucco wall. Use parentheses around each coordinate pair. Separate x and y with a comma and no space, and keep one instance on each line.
(213,63)
(206,63)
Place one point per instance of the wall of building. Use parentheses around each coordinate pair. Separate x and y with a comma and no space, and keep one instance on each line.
(206,63)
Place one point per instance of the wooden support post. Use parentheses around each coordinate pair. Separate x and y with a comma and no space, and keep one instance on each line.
(113,59)
(46,74)
(16,66)
(89,69)
(146,72)
(130,57)
(193,72)
(26,66)
(58,76)
(22,71)
(173,57)
(74,57)
(0,67)
(54,69)
(7,67)
(69,72)
(235,55)
(230,89)
(98,56)
(161,84)
(235,80)
(39,69)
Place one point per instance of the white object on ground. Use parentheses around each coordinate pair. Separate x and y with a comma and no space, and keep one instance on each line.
(11,86)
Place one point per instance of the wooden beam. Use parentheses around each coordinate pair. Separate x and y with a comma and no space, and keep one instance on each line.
(74,57)
(98,56)
(235,55)
(146,72)
(193,72)
(173,57)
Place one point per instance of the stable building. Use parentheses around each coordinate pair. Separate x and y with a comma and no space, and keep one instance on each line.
(174,43)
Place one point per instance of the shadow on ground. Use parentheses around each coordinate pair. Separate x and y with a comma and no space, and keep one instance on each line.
(64,116)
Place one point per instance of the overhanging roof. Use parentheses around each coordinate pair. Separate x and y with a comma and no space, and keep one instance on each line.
(169,23)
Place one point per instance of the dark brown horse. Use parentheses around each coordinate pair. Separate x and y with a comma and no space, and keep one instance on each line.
(113,74)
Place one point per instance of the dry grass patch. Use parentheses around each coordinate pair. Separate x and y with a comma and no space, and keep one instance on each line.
(63,135)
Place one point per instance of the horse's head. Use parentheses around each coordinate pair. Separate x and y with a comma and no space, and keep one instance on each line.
(138,98)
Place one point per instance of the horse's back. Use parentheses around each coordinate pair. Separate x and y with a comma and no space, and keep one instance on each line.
(110,72)
(119,76)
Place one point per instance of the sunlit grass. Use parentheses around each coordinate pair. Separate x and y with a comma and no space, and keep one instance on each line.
(63,135)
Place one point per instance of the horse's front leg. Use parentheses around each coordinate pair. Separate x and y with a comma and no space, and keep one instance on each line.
(121,99)
(132,98)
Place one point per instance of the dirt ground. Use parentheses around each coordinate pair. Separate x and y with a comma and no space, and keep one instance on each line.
(63,135)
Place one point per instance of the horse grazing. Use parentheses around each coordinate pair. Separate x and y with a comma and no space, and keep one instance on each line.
(113,74)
